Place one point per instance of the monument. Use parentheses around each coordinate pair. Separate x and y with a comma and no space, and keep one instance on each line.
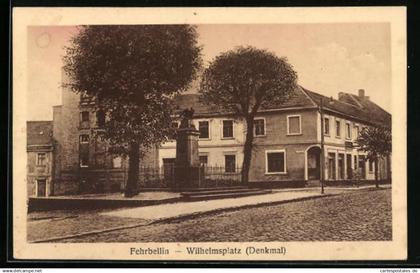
(187,172)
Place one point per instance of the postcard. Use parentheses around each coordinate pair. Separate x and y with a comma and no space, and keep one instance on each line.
(241,134)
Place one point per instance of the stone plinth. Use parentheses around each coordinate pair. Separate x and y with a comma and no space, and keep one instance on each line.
(187,162)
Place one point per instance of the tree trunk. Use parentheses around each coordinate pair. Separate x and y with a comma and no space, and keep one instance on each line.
(133,170)
(388,168)
(247,150)
(376,172)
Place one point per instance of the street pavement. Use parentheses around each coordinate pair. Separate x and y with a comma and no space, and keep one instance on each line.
(351,215)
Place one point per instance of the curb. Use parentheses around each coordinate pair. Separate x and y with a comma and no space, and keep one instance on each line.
(263,204)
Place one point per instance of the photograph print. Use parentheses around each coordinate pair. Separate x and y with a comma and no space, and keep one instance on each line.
(209,140)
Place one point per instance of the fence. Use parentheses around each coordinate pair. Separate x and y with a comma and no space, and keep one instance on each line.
(215,176)
(212,176)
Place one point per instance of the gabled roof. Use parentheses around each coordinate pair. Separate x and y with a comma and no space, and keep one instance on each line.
(348,105)
(39,132)
(297,98)
(353,106)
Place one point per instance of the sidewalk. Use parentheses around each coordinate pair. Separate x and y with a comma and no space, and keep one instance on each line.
(182,209)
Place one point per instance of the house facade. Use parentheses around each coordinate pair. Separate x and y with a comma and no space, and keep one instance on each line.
(287,140)
(40,158)
(287,143)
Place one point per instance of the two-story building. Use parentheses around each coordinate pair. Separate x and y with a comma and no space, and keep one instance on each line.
(287,143)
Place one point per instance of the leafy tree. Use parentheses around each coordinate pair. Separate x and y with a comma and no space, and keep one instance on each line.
(133,71)
(243,80)
(377,142)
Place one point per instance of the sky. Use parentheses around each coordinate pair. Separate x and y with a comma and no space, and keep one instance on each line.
(328,58)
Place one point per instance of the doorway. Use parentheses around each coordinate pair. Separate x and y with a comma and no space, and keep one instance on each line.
(331,166)
(41,187)
(313,163)
(349,169)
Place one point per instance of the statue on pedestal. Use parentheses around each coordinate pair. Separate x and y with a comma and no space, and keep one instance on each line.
(186,118)
(187,162)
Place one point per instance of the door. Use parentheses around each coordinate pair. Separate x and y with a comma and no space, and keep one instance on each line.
(362,166)
(313,162)
(349,169)
(41,188)
(168,168)
(331,166)
(340,166)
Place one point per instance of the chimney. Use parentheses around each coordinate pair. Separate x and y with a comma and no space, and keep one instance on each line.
(340,95)
(362,93)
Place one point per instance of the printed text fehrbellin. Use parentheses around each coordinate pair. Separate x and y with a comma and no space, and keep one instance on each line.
(222,251)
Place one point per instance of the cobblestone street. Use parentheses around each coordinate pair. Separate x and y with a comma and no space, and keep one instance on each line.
(354,216)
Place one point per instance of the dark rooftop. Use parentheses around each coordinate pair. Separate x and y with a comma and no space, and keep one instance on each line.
(39,132)
(349,105)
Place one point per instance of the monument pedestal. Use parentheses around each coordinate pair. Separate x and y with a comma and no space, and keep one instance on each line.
(187,171)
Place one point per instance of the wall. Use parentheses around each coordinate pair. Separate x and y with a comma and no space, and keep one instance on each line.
(336,144)
(35,172)
(276,138)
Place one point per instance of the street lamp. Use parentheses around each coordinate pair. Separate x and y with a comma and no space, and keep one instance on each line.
(322,175)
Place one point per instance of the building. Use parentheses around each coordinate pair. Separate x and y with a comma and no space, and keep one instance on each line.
(287,144)
(82,161)
(40,154)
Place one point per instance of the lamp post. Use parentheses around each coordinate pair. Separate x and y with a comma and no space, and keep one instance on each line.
(322,173)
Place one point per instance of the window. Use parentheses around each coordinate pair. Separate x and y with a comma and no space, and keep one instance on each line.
(84,116)
(348,130)
(84,139)
(203,159)
(41,159)
(230,163)
(84,158)
(203,127)
(357,131)
(100,118)
(84,155)
(117,162)
(326,126)
(370,165)
(275,162)
(259,127)
(293,125)
(355,162)
(227,128)
(337,128)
